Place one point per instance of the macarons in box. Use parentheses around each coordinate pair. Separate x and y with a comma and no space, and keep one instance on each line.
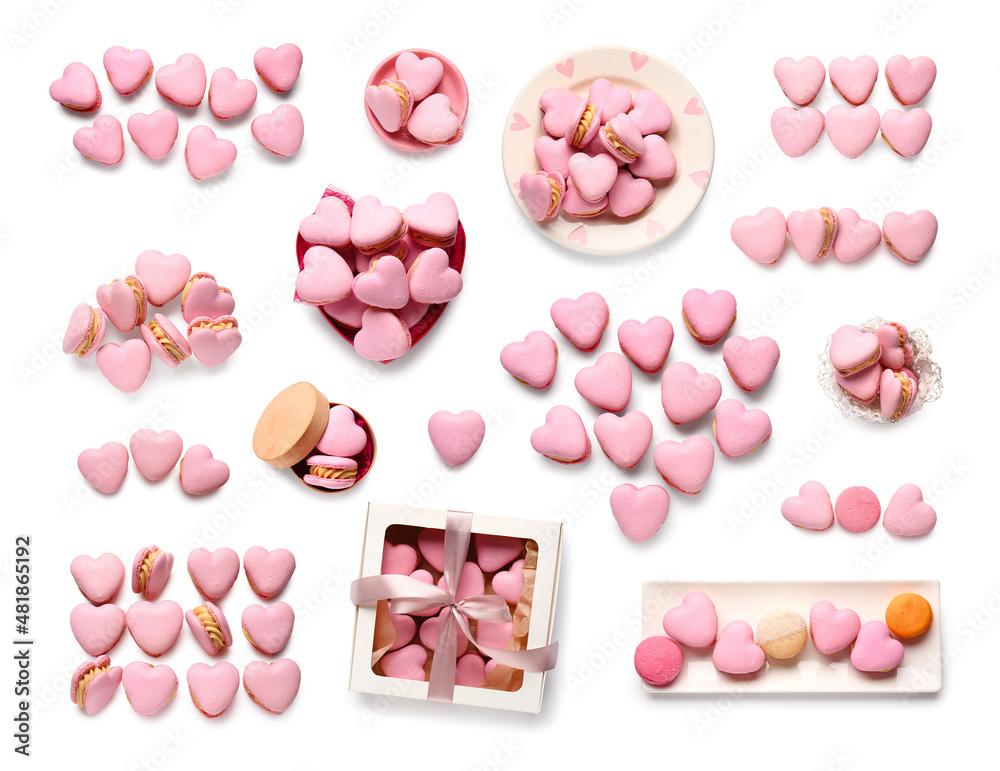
(511,562)
(329,446)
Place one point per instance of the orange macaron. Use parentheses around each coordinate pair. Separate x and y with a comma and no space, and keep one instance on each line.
(908,615)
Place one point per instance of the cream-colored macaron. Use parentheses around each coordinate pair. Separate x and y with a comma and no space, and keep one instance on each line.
(782,633)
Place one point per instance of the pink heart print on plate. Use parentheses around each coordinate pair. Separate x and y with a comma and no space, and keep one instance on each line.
(509,584)
(581,321)
(329,225)
(800,80)
(910,236)
(228,95)
(907,514)
(520,123)
(646,344)
(278,67)
(148,688)
(420,75)
(566,68)
(708,316)
(213,687)
(750,362)
(268,571)
(127,70)
(105,468)
(98,578)
(207,155)
(532,360)
(638,60)
(456,436)
(855,237)
(851,350)
(852,129)
(735,651)
(562,437)
(200,472)
(155,452)
(760,236)
(203,296)
(739,431)
(640,511)
(77,89)
(434,122)
(796,131)
(154,134)
(875,650)
(163,276)
(280,131)
(103,142)
(268,628)
(854,80)
(155,626)
(910,79)
(343,437)
(325,277)
(213,573)
(624,439)
(832,630)
(685,466)
(432,280)
(694,623)
(272,686)
(406,663)
(607,384)
(126,365)
(383,336)
(97,628)
(811,509)
(182,82)
(611,99)
(906,132)
(686,394)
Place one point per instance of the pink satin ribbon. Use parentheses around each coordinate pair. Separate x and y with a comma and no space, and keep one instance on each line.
(409,595)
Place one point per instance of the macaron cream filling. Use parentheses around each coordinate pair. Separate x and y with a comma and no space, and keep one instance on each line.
(146,567)
(164,341)
(216,325)
(584,125)
(830,219)
(90,674)
(555,198)
(88,341)
(904,396)
(404,97)
(622,148)
(208,621)
(333,473)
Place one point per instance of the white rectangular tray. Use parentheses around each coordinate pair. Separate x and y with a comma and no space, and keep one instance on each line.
(810,671)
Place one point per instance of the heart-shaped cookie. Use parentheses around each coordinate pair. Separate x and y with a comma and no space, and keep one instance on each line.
(98,578)
(213,687)
(430,541)
(374,226)
(562,437)
(811,509)
(610,98)
(686,394)
(832,630)
(155,452)
(509,584)
(268,629)
(750,362)
(420,75)
(760,236)
(862,385)
(592,176)
(495,551)
(694,623)
(532,360)
(102,142)
(906,132)
(325,277)
(407,663)
(149,689)
(154,626)
(280,131)
(708,316)
(581,321)
(398,559)
(852,129)
(213,573)
(657,162)
(854,79)
(206,154)
(735,651)
(494,634)
(126,365)
(558,106)
(650,113)
(390,102)
(268,571)
(639,511)
(329,225)
(607,384)
(431,279)
(553,155)
(228,95)
(163,276)
(104,468)
(855,237)
(213,341)
(471,582)
(97,627)
(624,439)
(628,195)
(907,514)
(434,122)
(94,683)
(685,466)
(646,344)
(433,222)
(910,236)
(875,649)
(542,193)
(127,70)
(153,133)
(456,436)
(383,336)
(851,350)
(910,79)
(123,302)
(405,628)
(272,686)
(739,431)
(279,67)
(896,351)
(182,82)
(813,232)
(800,80)
(343,437)
(77,89)
(796,131)
(201,473)
(470,670)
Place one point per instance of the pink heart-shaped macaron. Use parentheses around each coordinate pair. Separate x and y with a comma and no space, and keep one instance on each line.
(272,686)
(628,195)
(906,132)
(686,394)
(695,622)
(800,80)
(278,67)
(646,344)
(562,437)
(383,336)
(708,316)
(875,649)
(581,321)
(813,232)
(907,514)
(650,113)
(102,680)
(607,384)
(611,99)
(384,285)
(855,237)
(494,634)
(735,651)
(104,468)
(832,630)
(398,559)
(558,106)
(539,190)
(77,89)
(432,280)
(739,431)
(910,79)
(434,122)
(685,466)
(325,277)
(624,439)
(154,133)
(420,75)
(213,572)
(910,236)
(897,391)
(342,437)
(405,628)
(509,584)
(228,95)
(200,472)
(896,351)
(854,80)
(592,176)
(98,578)
(760,236)
(750,362)
(495,551)
(127,70)
(213,687)
(374,226)
(811,509)
(120,303)
(148,688)
(280,131)
(852,350)
(268,571)
(430,541)
(657,162)
(163,276)
(268,629)
(433,222)
(97,628)
(182,82)
(470,670)
(206,154)
(796,131)
(471,582)
(639,511)
(553,155)
(389,104)
(406,663)
(155,626)
(329,225)
(532,360)
(852,129)
(102,142)
(155,452)
(126,365)
(213,341)
(204,297)
(456,436)
(862,385)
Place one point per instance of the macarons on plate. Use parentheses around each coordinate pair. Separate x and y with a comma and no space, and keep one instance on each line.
(690,140)
(451,85)
(807,671)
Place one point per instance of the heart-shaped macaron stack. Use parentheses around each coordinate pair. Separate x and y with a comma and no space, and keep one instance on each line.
(343,453)
(381,275)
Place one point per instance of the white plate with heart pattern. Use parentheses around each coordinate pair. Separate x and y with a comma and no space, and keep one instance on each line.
(690,138)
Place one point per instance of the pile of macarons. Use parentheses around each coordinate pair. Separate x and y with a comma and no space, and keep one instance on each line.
(817,233)
(852,129)
(858,510)
(379,272)
(334,463)
(155,454)
(213,334)
(183,84)
(495,566)
(155,626)
(410,101)
(781,634)
(601,152)
(686,396)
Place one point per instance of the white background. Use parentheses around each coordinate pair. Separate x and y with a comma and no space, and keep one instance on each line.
(68,225)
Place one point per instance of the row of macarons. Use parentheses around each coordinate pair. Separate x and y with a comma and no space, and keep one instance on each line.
(851,129)
(858,510)
(909,80)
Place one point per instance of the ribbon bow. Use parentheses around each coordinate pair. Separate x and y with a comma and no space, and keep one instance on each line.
(409,595)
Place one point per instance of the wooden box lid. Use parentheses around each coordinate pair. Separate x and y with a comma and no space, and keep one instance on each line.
(291,425)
